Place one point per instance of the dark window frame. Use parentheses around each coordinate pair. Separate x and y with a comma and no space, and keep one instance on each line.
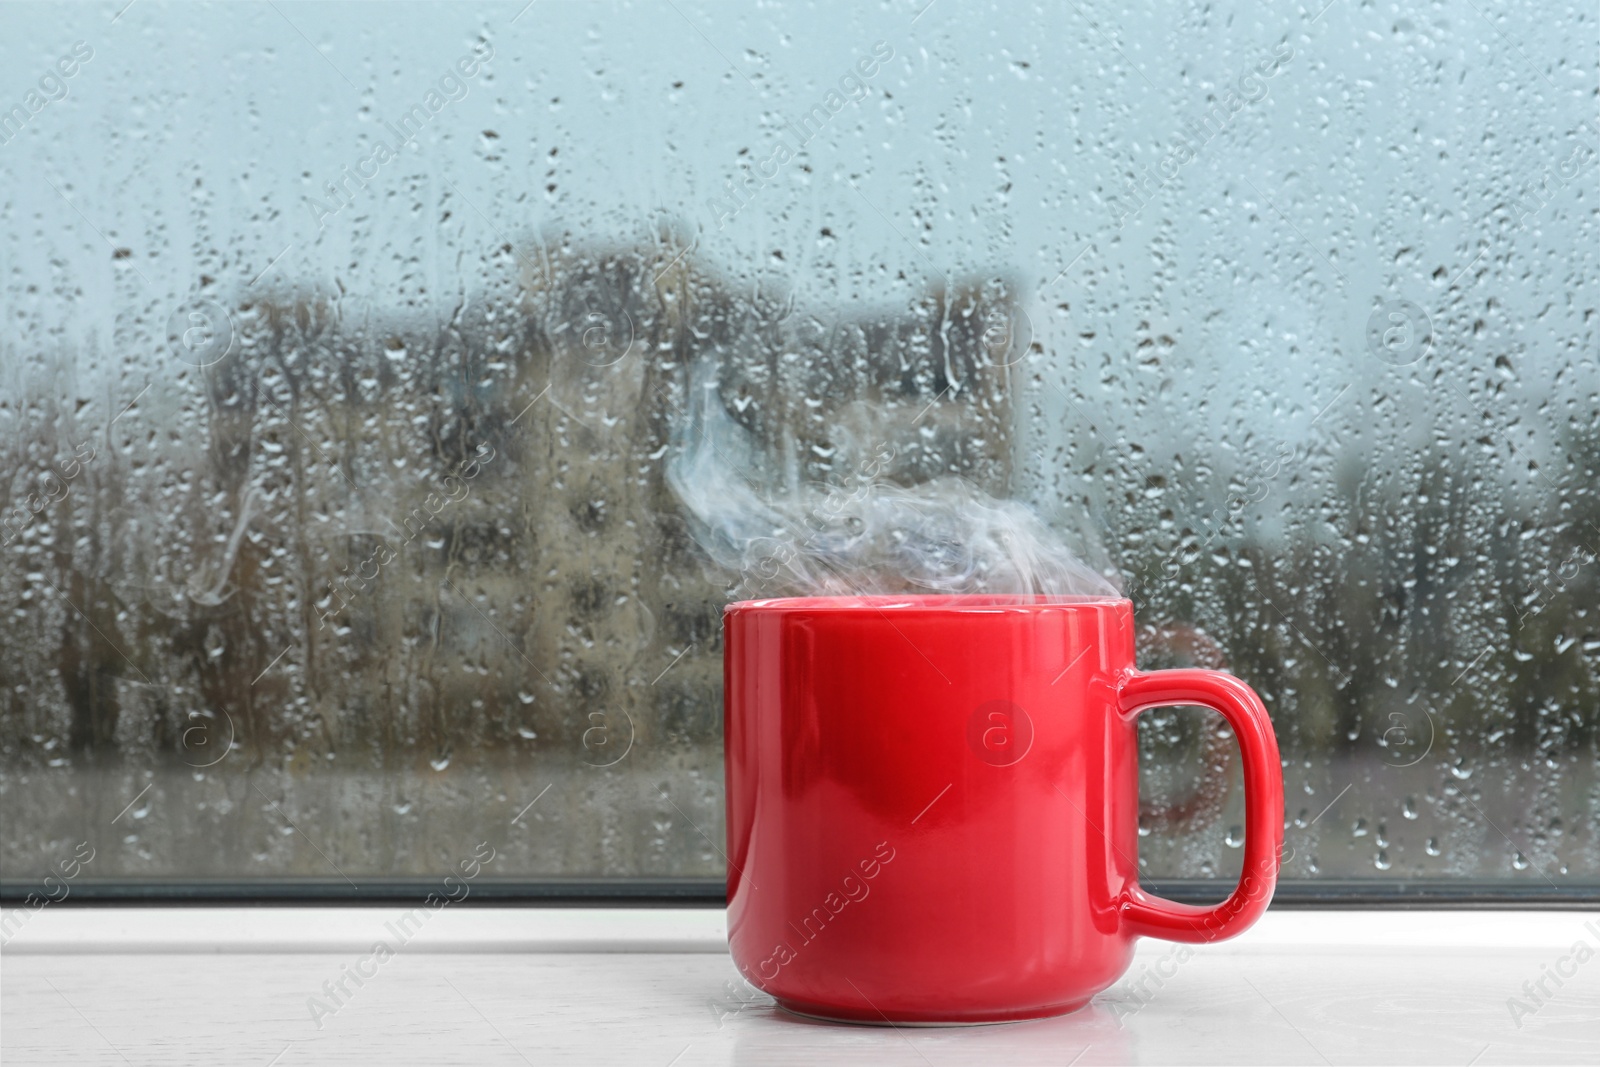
(711,892)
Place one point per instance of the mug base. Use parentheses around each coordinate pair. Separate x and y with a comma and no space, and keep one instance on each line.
(827,1014)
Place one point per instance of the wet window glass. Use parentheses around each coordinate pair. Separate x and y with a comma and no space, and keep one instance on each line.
(391,404)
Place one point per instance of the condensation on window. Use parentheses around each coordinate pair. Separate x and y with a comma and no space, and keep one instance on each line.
(342,360)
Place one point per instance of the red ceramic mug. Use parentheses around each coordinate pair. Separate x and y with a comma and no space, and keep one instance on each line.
(933,803)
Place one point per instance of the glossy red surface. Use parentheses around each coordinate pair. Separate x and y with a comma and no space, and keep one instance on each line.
(932,804)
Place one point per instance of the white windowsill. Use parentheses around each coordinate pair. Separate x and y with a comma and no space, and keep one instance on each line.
(642,986)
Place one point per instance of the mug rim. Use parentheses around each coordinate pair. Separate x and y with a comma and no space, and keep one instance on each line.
(987,603)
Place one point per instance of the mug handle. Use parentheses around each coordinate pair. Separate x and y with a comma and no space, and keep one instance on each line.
(1147,915)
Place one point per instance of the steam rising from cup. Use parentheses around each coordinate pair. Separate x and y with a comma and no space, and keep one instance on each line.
(862,535)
